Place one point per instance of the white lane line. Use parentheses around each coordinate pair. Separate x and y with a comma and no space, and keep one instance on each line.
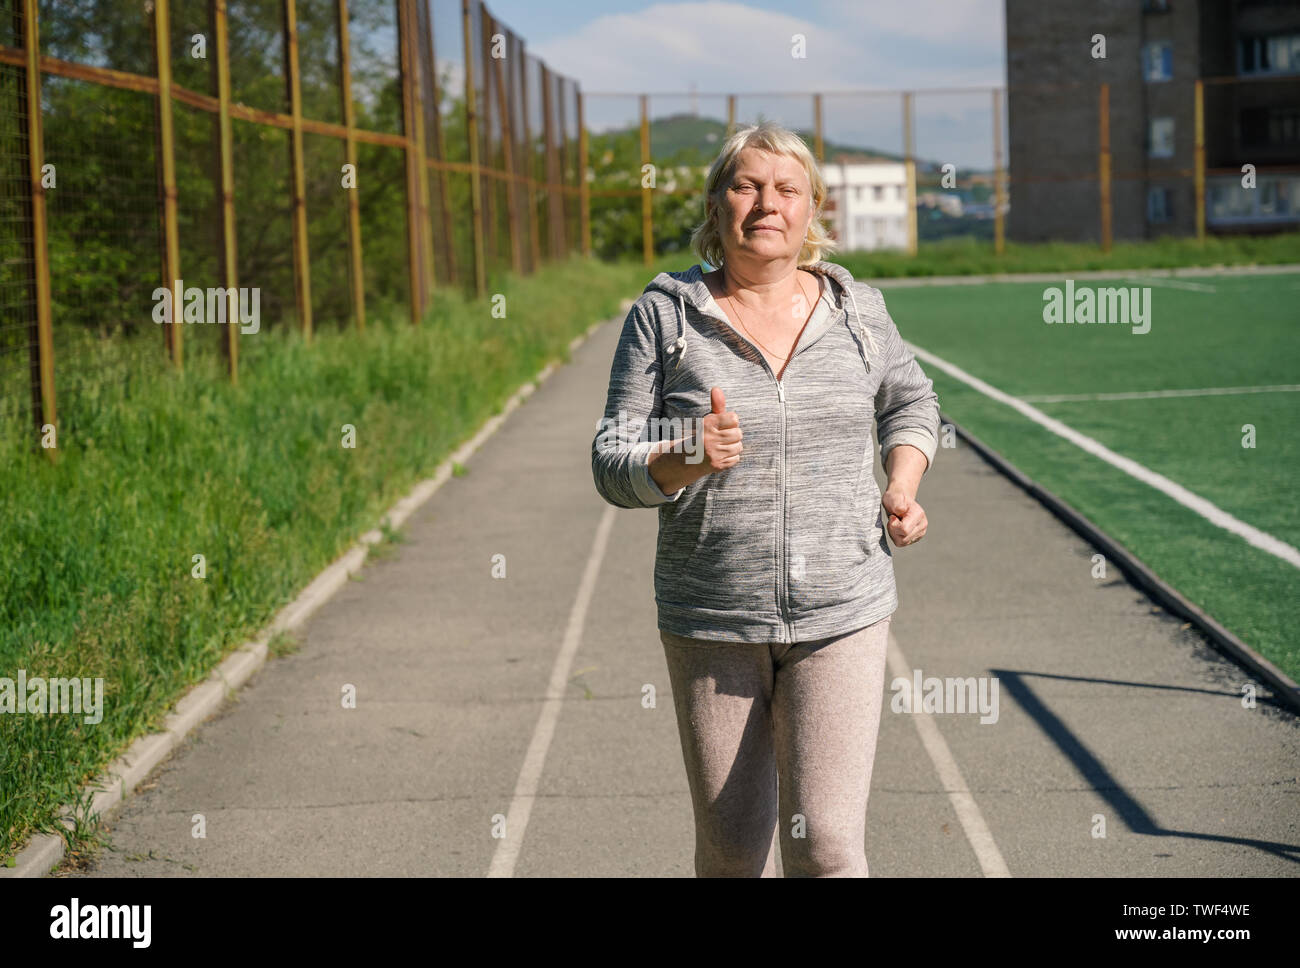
(530,774)
(1206,509)
(1171,283)
(1152,394)
(963,802)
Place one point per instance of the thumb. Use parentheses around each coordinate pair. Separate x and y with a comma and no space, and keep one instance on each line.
(718,400)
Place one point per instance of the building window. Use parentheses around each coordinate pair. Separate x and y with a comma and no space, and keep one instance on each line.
(1270,127)
(880,193)
(1158,61)
(860,225)
(1161,138)
(1160,204)
(1279,54)
(857,192)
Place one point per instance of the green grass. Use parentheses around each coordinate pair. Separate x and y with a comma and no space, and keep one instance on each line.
(95,565)
(1242,334)
(961,257)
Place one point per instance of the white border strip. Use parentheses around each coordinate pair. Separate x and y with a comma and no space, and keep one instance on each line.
(1156,394)
(1211,512)
(945,764)
(911,282)
(121,776)
(530,774)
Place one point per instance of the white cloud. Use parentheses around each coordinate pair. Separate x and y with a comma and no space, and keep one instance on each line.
(731,47)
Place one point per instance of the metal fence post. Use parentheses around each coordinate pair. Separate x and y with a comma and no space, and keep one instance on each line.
(909,163)
(42,345)
(534,229)
(171,250)
(508,160)
(229,259)
(817,128)
(1200,161)
(440,150)
(301,263)
(414,162)
(584,189)
(476,182)
(647,202)
(355,270)
(1103,164)
(999,221)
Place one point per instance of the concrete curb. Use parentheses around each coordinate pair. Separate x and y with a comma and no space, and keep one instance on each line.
(108,791)
(1287,691)
(908,282)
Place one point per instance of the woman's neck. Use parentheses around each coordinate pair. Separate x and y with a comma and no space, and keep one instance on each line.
(766,291)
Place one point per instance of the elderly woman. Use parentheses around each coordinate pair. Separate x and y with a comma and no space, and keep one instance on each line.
(773,580)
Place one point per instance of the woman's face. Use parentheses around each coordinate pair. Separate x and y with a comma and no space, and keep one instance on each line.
(766,209)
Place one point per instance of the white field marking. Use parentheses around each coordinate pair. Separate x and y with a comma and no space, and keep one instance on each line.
(1150,394)
(963,802)
(530,774)
(1211,512)
(1171,283)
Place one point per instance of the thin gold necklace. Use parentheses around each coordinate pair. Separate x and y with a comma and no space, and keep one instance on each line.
(741,320)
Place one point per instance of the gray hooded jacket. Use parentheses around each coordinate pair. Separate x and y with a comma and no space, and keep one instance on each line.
(788,544)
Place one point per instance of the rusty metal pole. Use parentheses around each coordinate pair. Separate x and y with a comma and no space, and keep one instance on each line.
(817,128)
(355,270)
(731,115)
(475,183)
(42,346)
(1103,164)
(534,229)
(440,151)
(647,201)
(909,162)
(411,151)
(167,172)
(301,262)
(229,258)
(508,158)
(1200,161)
(584,188)
(999,199)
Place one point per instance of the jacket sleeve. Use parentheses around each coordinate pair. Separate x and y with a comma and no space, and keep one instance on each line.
(907,408)
(623,435)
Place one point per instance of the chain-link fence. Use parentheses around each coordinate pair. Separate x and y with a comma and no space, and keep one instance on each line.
(907,168)
(259,164)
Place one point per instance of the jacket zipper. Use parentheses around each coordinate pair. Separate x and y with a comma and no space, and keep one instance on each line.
(781,582)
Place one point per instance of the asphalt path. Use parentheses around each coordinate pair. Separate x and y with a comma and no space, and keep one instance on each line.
(517,705)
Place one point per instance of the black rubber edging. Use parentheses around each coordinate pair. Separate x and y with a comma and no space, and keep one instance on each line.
(1286,691)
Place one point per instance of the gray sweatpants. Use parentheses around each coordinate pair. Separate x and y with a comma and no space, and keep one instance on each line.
(808,711)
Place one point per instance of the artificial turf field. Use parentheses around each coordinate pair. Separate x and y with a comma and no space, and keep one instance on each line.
(1210,332)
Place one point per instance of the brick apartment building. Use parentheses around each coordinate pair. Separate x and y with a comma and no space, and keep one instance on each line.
(1155,51)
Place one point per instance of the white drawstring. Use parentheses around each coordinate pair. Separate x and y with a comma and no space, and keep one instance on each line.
(680,342)
(862,327)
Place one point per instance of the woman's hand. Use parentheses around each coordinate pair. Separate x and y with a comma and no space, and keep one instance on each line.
(720,432)
(719,435)
(907,522)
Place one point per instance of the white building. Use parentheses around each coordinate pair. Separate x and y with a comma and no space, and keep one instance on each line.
(866,205)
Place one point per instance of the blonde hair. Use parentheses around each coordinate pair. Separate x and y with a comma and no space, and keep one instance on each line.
(766,136)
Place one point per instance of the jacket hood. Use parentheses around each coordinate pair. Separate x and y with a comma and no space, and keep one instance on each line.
(688,287)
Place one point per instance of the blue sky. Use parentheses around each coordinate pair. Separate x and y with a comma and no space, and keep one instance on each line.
(722,46)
